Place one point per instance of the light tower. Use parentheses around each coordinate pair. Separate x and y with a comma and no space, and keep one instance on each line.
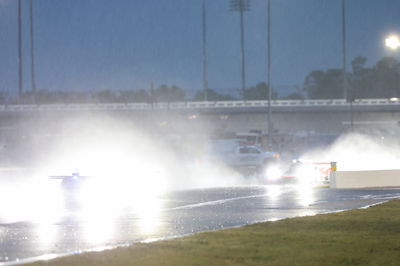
(346,95)
(20,84)
(205,71)
(392,42)
(270,125)
(241,6)
(31,29)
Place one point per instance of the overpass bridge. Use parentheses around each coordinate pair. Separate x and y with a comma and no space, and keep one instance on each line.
(289,117)
(215,106)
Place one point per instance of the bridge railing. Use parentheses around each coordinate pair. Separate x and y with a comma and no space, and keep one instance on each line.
(192,105)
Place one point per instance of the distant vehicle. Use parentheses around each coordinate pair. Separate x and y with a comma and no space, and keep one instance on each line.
(299,172)
(248,156)
(71,182)
(249,138)
(71,186)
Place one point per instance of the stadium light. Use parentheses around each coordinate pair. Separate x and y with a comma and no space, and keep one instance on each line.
(20,63)
(31,29)
(269,114)
(205,59)
(392,42)
(241,6)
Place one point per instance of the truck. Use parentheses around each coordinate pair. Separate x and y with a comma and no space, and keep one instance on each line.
(250,158)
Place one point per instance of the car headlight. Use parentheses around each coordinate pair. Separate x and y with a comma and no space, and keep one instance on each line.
(273,173)
(276,155)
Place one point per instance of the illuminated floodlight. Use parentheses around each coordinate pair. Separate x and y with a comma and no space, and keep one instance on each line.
(273,173)
(392,42)
(194,116)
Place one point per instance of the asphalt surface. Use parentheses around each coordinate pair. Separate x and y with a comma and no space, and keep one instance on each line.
(172,215)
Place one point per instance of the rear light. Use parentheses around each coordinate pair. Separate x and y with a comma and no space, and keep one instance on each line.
(276,155)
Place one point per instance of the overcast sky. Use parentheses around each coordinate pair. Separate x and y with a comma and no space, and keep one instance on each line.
(129,44)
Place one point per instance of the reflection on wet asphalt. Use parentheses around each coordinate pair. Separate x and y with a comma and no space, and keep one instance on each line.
(175,214)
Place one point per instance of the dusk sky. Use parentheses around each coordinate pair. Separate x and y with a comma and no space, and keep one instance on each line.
(129,44)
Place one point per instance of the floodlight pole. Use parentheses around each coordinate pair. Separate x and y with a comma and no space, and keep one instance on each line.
(33,83)
(205,59)
(241,6)
(349,97)
(344,59)
(20,80)
(270,130)
(242,52)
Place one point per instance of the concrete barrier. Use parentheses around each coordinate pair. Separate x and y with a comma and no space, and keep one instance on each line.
(365,179)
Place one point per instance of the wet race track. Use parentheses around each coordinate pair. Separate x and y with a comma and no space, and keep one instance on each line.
(174,214)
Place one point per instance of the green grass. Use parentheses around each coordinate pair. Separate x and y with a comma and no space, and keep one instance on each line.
(357,237)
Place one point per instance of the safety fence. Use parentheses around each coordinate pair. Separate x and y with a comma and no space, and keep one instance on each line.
(194,105)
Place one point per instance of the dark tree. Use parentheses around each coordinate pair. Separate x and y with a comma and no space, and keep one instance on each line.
(167,94)
(360,85)
(212,95)
(106,96)
(379,81)
(386,78)
(324,84)
(294,96)
(134,96)
(259,92)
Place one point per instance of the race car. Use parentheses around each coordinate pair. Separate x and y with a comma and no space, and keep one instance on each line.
(299,172)
(71,186)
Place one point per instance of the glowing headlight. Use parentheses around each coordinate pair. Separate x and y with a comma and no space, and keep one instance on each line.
(273,173)
(307,174)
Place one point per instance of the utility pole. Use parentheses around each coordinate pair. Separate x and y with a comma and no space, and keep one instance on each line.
(241,6)
(348,95)
(20,81)
(270,129)
(33,83)
(345,92)
(205,70)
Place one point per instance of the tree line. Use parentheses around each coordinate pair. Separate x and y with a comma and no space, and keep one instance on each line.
(382,80)
(163,93)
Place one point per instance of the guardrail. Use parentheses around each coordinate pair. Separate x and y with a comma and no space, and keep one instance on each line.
(192,105)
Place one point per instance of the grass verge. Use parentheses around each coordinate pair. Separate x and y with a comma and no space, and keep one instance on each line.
(357,237)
